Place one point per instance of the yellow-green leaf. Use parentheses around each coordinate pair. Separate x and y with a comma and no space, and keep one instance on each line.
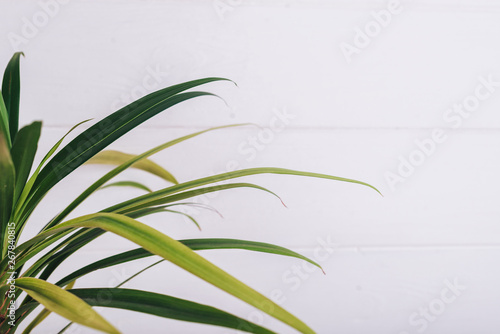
(7,184)
(43,314)
(64,303)
(4,122)
(116,158)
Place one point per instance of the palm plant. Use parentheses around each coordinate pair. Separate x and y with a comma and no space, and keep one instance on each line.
(22,190)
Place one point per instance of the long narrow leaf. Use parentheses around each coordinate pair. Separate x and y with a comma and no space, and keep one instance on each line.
(116,158)
(194,244)
(131,184)
(23,153)
(145,212)
(133,212)
(157,195)
(192,193)
(11,86)
(4,123)
(33,177)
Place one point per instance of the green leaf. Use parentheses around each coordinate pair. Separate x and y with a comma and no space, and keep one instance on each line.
(180,255)
(42,315)
(23,153)
(220,243)
(37,249)
(166,307)
(7,185)
(138,273)
(4,123)
(149,211)
(73,243)
(159,194)
(194,244)
(132,184)
(87,236)
(110,157)
(64,303)
(33,177)
(100,135)
(38,319)
(11,87)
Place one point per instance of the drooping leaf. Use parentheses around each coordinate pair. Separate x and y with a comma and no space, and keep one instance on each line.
(197,205)
(194,244)
(132,184)
(4,123)
(88,236)
(182,256)
(42,315)
(64,303)
(23,153)
(165,306)
(222,243)
(189,194)
(148,199)
(11,87)
(145,212)
(159,194)
(138,273)
(116,158)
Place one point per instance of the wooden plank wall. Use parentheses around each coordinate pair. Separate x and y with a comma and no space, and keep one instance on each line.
(403,95)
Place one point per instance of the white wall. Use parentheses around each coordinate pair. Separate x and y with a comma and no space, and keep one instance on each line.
(393,257)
